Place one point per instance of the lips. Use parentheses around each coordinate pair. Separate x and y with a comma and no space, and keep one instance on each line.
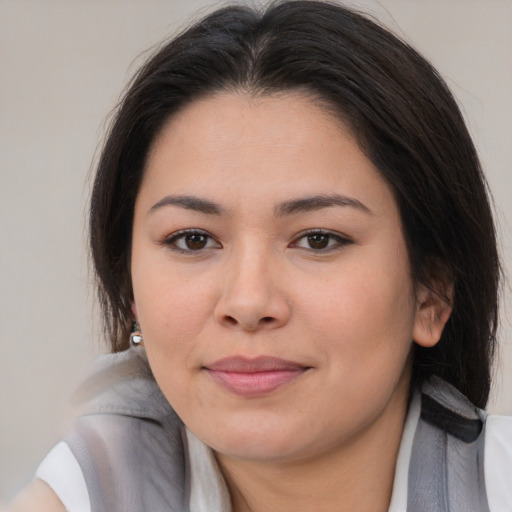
(254,377)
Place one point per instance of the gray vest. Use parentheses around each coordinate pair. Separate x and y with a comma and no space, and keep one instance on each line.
(132,448)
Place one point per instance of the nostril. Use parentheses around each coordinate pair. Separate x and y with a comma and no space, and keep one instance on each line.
(230,320)
(233,322)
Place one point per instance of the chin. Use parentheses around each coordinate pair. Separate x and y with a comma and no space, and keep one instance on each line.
(257,441)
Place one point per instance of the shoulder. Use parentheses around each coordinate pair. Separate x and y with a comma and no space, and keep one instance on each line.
(37,496)
(499,431)
(498,462)
(127,429)
(123,412)
(451,461)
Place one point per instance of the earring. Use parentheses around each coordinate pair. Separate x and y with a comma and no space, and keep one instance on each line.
(136,336)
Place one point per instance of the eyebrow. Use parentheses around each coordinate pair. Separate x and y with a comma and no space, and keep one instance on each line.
(189,203)
(317,202)
(300,205)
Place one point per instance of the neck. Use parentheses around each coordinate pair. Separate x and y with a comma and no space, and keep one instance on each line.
(357,476)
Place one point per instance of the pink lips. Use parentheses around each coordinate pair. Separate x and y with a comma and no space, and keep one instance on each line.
(254,377)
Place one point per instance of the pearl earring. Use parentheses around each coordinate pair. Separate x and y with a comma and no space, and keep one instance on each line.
(136,336)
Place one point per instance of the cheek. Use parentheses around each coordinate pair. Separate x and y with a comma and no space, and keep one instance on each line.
(361,301)
(173,319)
(173,309)
(363,317)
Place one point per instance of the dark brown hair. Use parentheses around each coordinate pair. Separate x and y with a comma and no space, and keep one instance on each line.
(401,112)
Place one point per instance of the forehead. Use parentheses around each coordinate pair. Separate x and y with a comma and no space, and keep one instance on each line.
(221,115)
(273,146)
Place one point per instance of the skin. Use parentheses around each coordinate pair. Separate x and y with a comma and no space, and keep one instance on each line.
(324,284)
(37,496)
(253,284)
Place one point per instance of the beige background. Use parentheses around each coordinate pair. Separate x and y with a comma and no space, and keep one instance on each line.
(62,66)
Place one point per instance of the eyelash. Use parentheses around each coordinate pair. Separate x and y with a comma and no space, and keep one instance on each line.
(338,239)
(172,240)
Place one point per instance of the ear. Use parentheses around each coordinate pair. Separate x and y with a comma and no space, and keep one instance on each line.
(134,311)
(433,309)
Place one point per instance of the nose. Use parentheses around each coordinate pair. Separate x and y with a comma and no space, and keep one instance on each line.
(252,295)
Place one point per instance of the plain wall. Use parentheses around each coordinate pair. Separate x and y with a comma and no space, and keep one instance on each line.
(63,64)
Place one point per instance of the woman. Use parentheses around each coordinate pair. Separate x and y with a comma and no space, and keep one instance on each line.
(290,224)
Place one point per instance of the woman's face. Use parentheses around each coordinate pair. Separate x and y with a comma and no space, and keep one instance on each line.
(271,279)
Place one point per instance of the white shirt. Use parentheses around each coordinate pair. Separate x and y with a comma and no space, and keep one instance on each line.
(208,492)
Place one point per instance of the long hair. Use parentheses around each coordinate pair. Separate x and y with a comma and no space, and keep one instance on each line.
(403,116)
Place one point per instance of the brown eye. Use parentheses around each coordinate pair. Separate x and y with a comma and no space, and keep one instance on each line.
(318,241)
(191,241)
(196,241)
(321,241)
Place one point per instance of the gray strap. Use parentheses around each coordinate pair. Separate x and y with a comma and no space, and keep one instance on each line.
(446,472)
(130,465)
(129,443)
